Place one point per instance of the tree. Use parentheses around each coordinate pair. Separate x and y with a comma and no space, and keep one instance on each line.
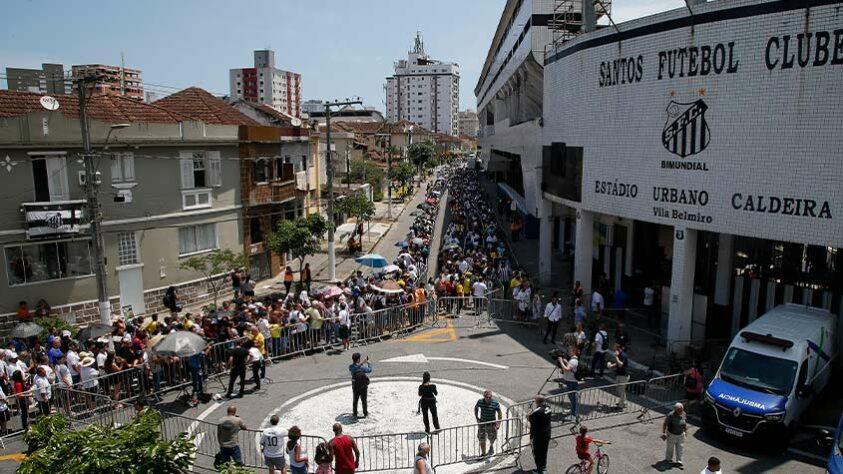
(212,264)
(421,153)
(136,448)
(357,206)
(300,237)
(402,173)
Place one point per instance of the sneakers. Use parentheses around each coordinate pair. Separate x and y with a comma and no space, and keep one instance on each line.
(491,451)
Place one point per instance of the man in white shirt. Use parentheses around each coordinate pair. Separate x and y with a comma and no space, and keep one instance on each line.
(601,340)
(713,466)
(272,445)
(553,314)
(597,302)
(479,289)
(73,363)
(256,360)
(569,377)
(43,390)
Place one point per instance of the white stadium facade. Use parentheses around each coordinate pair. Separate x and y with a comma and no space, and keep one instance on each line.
(699,151)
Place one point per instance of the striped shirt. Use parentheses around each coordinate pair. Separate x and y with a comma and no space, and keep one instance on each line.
(487,410)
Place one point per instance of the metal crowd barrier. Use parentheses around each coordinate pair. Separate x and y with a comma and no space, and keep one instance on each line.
(388,451)
(596,403)
(463,311)
(207,442)
(506,310)
(462,443)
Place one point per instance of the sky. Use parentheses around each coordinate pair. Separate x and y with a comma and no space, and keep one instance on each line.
(342,48)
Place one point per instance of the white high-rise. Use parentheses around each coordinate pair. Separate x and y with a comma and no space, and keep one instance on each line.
(267,84)
(424,91)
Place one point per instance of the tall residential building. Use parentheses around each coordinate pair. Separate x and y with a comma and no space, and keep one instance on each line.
(469,126)
(424,91)
(50,79)
(266,84)
(113,80)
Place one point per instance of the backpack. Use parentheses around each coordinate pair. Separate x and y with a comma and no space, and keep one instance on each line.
(604,343)
(582,371)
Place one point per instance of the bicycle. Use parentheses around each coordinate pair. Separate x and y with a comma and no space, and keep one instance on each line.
(598,457)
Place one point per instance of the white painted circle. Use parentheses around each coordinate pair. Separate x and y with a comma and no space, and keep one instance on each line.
(392,410)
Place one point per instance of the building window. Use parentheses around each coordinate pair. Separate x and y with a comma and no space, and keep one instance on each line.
(127,248)
(49,175)
(255,230)
(200,169)
(123,167)
(33,263)
(197,238)
(260,171)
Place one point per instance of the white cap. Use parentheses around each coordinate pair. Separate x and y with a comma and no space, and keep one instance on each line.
(65,333)
(11,354)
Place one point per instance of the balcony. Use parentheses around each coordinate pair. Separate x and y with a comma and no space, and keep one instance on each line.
(52,219)
(280,189)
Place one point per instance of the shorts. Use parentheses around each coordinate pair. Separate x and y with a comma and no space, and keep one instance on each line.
(277,463)
(343,332)
(584,456)
(487,431)
(5,416)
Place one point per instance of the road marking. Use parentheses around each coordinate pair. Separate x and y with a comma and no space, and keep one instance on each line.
(434,335)
(13,457)
(422,359)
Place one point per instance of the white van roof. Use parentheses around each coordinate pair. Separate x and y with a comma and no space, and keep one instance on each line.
(791,321)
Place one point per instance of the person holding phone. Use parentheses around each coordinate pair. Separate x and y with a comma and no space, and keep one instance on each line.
(360,382)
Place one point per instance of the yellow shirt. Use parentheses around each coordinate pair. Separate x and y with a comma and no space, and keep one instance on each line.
(275,330)
(187,324)
(459,289)
(258,340)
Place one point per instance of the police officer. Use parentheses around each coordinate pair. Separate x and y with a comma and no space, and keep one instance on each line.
(540,433)
(360,382)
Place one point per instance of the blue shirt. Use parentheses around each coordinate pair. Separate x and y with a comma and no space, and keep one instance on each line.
(54,354)
(367,368)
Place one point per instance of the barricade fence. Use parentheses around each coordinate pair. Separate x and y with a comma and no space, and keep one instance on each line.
(463,443)
(205,438)
(388,451)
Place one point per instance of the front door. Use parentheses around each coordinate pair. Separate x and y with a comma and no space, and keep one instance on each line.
(131,287)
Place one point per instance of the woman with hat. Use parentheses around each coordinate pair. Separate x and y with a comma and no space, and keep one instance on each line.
(88,377)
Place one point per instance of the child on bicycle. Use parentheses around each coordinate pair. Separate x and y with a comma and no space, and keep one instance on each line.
(583,442)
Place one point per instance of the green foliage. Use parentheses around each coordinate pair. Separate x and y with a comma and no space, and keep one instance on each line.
(231,468)
(374,176)
(300,237)
(50,321)
(43,430)
(212,264)
(402,173)
(421,153)
(357,206)
(135,448)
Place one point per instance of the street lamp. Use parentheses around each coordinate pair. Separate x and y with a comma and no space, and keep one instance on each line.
(113,127)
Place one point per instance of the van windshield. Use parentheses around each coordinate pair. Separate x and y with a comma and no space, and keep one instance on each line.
(758,372)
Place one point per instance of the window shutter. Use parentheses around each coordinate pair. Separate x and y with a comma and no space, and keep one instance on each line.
(214,167)
(186,163)
(57,178)
(128,163)
(116,173)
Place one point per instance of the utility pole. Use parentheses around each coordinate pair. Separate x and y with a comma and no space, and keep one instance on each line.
(347,168)
(306,184)
(91,188)
(332,253)
(388,179)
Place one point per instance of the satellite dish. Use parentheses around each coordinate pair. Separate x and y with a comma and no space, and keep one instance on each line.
(295,121)
(49,103)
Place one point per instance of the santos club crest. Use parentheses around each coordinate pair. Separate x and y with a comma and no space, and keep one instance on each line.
(686,131)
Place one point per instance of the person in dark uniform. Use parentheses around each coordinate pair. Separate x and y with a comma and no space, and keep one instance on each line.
(360,382)
(237,362)
(427,402)
(540,433)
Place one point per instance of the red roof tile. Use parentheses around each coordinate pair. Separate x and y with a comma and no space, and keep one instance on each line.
(200,105)
(106,108)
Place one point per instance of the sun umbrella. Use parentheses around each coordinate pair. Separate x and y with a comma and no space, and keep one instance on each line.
(372,260)
(451,247)
(25,330)
(332,292)
(154,340)
(180,344)
(93,331)
(391,268)
(402,244)
(389,287)
(418,241)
